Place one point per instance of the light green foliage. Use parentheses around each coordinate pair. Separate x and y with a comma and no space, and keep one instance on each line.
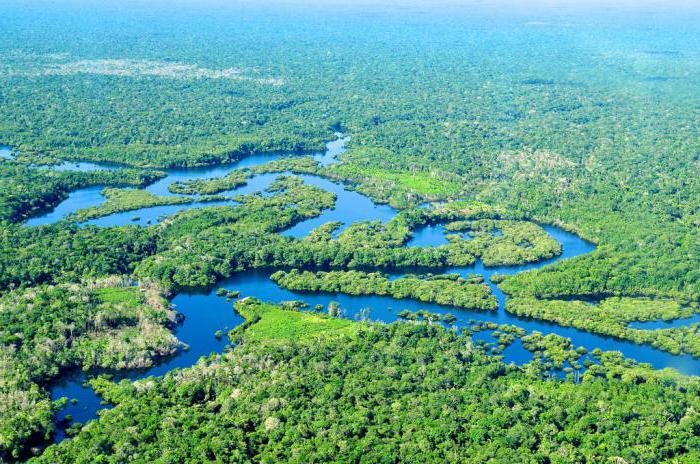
(442,289)
(275,324)
(106,323)
(611,317)
(294,164)
(233,180)
(323,233)
(26,411)
(471,209)
(375,234)
(565,120)
(556,350)
(395,186)
(119,200)
(518,242)
(45,330)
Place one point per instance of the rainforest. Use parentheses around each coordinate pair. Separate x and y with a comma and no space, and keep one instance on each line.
(356,232)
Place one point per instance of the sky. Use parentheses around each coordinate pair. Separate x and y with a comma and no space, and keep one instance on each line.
(652,11)
(649,5)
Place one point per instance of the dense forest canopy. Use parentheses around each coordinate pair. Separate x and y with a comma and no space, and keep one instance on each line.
(488,122)
(591,120)
(288,393)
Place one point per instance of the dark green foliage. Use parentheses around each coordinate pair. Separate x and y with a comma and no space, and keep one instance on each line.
(394,393)
(249,232)
(561,134)
(251,242)
(65,253)
(25,191)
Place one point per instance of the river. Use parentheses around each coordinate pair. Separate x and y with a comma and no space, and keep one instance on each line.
(205,313)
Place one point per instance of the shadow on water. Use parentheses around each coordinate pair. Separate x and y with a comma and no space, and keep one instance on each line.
(333,149)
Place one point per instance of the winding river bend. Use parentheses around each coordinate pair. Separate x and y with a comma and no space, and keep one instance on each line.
(205,313)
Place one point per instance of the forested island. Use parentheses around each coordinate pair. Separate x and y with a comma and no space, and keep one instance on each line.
(344,233)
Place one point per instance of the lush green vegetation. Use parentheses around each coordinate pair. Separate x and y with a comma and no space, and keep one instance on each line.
(442,289)
(578,138)
(611,317)
(67,253)
(249,232)
(231,181)
(268,323)
(303,387)
(119,200)
(190,251)
(45,330)
(395,185)
(554,351)
(583,121)
(26,191)
(518,242)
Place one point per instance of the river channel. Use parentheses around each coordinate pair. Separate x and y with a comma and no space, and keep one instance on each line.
(205,312)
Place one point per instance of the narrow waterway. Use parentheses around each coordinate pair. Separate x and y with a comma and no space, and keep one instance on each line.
(205,313)
(90,197)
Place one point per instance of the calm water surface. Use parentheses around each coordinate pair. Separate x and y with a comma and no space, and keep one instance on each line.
(205,313)
(5,152)
(350,206)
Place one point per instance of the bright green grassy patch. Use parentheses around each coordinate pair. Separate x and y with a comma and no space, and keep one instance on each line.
(423,183)
(276,324)
(128,296)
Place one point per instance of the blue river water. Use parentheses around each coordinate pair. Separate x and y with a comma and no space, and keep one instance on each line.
(663,324)
(205,313)
(92,196)
(5,152)
(428,235)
